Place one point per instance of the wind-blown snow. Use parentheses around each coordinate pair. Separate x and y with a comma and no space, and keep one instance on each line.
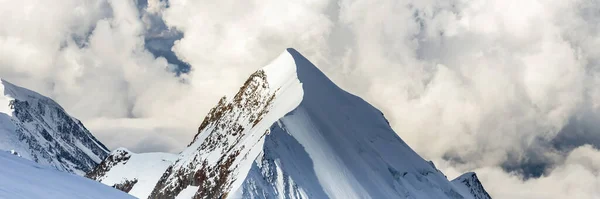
(24,179)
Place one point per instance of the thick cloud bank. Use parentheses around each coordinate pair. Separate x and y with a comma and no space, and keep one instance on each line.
(509,89)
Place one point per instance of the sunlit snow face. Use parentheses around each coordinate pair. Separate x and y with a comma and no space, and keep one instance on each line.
(488,85)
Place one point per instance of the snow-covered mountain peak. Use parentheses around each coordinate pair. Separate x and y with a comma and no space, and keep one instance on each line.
(290,132)
(39,129)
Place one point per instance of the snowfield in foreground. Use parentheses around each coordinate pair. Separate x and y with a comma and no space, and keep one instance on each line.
(24,179)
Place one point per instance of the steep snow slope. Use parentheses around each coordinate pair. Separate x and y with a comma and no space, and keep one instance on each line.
(292,133)
(133,173)
(24,179)
(38,129)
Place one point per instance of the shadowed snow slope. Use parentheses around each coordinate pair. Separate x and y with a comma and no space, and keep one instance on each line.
(38,129)
(24,179)
(290,132)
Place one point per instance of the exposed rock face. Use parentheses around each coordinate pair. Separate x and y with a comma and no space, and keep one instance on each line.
(221,131)
(39,129)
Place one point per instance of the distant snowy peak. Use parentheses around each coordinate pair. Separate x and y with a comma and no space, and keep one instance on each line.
(136,174)
(290,132)
(470,184)
(38,129)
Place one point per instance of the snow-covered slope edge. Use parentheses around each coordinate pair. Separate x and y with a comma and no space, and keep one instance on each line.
(24,179)
(39,129)
(133,173)
(292,133)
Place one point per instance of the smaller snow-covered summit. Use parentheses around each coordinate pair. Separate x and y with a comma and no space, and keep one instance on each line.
(38,129)
(130,172)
